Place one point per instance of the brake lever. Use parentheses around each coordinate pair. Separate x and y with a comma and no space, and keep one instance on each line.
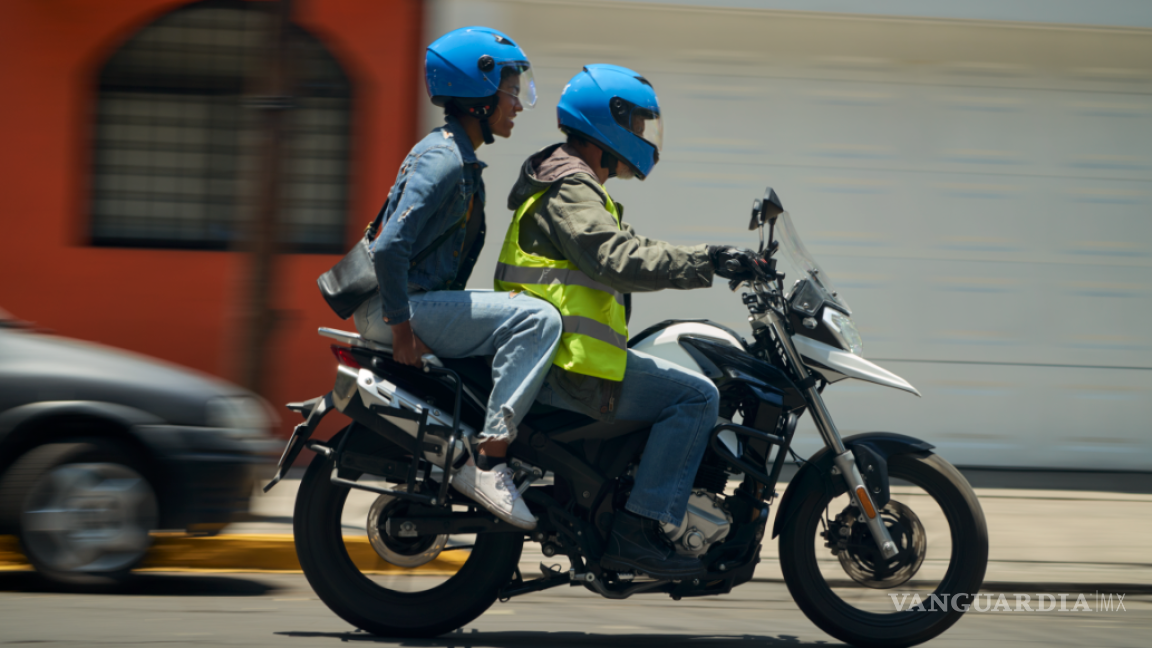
(754,269)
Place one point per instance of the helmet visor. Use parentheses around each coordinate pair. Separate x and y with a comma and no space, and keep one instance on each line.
(643,122)
(516,79)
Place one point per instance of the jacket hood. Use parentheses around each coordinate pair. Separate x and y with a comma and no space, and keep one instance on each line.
(545,168)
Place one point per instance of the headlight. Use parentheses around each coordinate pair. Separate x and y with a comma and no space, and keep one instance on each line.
(842,327)
(241,415)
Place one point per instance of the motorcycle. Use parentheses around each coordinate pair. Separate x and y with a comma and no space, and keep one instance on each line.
(863,515)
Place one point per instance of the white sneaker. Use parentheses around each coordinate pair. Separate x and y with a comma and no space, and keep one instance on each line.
(495,491)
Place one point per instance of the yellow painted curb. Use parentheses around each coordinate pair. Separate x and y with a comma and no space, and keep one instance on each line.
(247,553)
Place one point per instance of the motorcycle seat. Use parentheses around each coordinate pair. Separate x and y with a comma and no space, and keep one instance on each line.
(476,372)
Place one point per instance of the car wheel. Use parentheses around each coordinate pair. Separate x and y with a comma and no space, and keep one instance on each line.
(82,509)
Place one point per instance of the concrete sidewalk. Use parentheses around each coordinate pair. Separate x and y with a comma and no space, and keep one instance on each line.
(1038,538)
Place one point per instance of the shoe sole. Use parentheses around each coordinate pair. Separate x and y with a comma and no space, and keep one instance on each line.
(618,564)
(488,505)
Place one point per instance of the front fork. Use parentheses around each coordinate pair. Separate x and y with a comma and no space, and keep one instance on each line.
(845,462)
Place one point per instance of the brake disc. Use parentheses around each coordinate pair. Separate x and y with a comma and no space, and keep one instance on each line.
(402,552)
(860,557)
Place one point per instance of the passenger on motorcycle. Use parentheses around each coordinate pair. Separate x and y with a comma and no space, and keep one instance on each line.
(482,79)
(568,244)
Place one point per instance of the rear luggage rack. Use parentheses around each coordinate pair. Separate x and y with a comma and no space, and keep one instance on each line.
(315,409)
(353,339)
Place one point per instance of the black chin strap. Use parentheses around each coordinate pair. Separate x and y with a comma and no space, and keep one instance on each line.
(486,131)
(608,161)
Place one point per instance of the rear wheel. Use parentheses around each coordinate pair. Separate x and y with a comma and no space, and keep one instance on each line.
(391,586)
(82,509)
(840,582)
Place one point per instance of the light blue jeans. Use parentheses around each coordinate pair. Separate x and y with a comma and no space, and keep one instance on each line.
(682,406)
(520,332)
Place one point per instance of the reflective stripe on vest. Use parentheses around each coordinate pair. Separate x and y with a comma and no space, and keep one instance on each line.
(515,274)
(595,338)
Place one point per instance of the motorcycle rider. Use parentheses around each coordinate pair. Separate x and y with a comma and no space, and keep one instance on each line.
(429,244)
(568,244)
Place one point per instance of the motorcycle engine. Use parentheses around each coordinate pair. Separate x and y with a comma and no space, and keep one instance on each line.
(706,522)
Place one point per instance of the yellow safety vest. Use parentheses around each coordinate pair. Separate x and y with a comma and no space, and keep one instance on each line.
(595,339)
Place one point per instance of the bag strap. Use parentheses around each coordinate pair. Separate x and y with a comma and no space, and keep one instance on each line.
(374,227)
(441,240)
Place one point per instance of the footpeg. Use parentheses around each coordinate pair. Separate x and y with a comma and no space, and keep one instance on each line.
(576,578)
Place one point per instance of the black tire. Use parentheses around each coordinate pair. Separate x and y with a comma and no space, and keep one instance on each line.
(370,607)
(965,572)
(71,471)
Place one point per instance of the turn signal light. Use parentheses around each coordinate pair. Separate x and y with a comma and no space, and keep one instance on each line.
(344,357)
(865,502)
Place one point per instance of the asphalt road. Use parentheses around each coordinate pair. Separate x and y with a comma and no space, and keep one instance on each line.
(281,610)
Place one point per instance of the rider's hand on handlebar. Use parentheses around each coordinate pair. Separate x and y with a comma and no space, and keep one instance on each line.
(735,263)
(406,347)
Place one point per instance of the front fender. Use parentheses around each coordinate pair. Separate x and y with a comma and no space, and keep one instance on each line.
(816,473)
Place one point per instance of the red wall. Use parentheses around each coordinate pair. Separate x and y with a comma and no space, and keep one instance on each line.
(182,306)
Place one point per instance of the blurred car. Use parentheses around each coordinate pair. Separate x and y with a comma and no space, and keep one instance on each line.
(99,447)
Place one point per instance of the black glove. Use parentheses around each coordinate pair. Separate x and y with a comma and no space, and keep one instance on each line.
(731,262)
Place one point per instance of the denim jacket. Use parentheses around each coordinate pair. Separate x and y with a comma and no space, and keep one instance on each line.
(436,182)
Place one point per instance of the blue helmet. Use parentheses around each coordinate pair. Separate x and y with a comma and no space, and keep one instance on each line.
(466,63)
(617,109)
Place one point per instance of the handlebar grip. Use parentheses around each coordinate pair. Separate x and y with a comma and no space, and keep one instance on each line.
(732,265)
(430,360)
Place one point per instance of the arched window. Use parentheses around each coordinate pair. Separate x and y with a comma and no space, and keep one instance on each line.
(175,146)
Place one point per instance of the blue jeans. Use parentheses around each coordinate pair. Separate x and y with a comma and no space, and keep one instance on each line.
(520,332)
(682,406)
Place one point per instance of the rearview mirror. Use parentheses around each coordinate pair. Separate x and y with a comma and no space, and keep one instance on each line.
(766,209)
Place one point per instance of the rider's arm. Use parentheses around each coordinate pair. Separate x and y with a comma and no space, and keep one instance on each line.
(432,178)
(589,237)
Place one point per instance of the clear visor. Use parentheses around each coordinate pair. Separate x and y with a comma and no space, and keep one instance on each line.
(645,123)
(518,81)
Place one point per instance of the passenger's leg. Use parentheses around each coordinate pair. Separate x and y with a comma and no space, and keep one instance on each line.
(369,321)
(521,333)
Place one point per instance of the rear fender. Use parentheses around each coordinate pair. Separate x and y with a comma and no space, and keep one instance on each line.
(871,449)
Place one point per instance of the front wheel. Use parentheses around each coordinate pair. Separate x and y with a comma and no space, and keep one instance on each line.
(421,586)
(832,569)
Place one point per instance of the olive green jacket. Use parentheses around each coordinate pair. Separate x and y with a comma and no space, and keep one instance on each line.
(571,222)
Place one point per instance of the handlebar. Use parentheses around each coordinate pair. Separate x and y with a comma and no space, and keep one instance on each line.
(762,269)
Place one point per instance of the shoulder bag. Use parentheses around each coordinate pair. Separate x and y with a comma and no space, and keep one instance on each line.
(353,280)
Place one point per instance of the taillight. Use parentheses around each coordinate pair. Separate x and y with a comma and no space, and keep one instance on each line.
(344,357)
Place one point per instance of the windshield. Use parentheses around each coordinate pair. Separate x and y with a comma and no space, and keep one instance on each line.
(794,259)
